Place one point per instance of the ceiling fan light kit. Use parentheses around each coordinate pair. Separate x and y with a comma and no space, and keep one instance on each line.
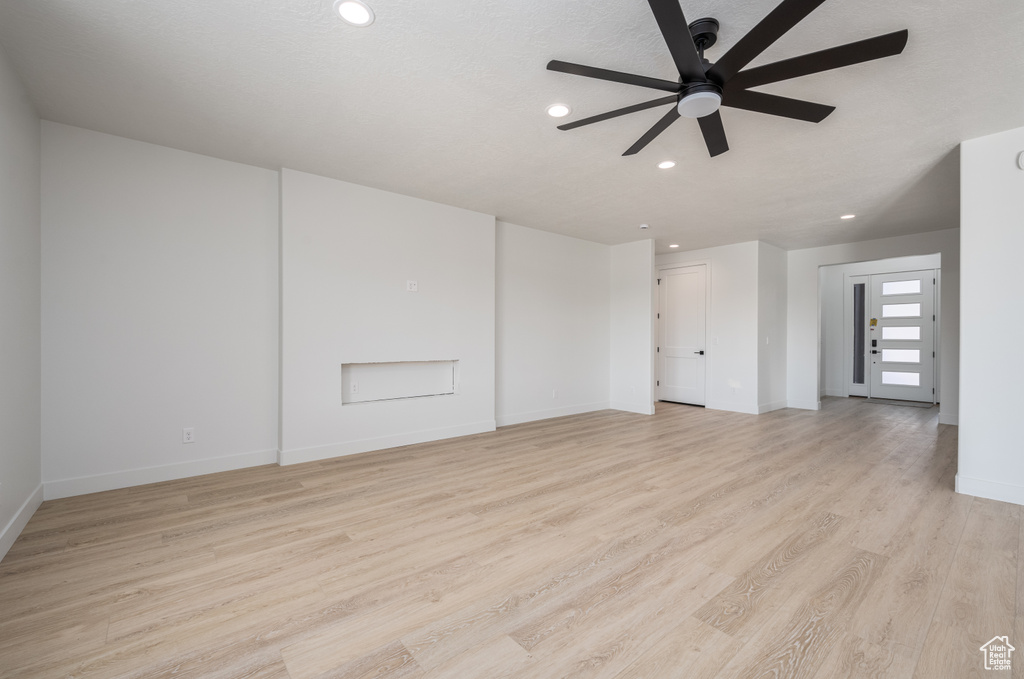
(703,87)
(700,101)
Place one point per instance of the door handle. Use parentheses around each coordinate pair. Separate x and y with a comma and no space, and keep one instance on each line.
(701,352)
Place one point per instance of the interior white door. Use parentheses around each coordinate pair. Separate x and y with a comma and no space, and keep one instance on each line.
(681,326)
(902,336)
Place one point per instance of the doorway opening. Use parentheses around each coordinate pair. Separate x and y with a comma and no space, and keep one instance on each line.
(880,329)
(893,319)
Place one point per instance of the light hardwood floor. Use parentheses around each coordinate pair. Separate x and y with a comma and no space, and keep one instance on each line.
(692,544)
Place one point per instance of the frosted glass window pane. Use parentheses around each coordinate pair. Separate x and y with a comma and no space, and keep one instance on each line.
(901,310)
(901,355)
(902,288)
(901,379)
(904,332)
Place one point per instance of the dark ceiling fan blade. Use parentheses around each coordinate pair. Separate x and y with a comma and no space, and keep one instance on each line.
(776,105)
(784,17)
(672,23)
(613,76)
(659,127)
(878,47)
(714,133)
(620,112)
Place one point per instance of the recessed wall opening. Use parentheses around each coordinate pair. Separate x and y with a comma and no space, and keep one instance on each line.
(394,380)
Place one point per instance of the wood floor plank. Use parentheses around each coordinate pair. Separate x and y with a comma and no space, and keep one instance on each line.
(900,606)
(978,600)
(694,543)
(854,658)
(739,605)
(800,646)
(691,650)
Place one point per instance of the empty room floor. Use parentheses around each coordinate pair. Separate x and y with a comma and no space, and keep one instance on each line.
(694,543)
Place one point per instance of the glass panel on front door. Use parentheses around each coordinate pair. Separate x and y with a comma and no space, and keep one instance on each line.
(901,332)
(901,310)
(901,288)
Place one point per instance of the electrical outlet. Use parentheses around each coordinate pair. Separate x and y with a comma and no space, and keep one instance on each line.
(412,286)
(354,387)
(188,435)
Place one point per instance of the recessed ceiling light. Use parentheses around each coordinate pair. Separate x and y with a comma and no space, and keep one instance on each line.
(558,110)
(848,217)
(645,226)
(674,245)
(666,165)
(355,12)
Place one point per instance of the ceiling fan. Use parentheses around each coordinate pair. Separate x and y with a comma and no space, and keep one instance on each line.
(703,87)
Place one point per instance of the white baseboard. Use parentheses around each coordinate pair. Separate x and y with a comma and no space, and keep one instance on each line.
(533,416)
(993,490)
(804,405)
(53,490)
(768,407)
(835,392)
(632,407)
(731,407)
(311,454)
(946,418)
(17,524)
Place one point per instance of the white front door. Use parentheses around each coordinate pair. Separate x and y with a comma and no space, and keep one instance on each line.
(681,322)
(902,336)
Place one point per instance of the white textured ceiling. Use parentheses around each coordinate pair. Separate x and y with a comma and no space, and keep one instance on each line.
(445,100)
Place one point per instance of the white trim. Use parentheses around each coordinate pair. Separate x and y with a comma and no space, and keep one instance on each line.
(632,408)
(313,453)
(836,392)
(769,407)
(732,408)
(534,415)
(946,418)
(992,490)
(17,524)
(53,490)
(804,405)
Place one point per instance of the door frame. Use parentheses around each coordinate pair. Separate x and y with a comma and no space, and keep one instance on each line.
(708,353)
(848,328)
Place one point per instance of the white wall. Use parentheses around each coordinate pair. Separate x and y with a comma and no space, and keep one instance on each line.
(803,355)
(771,327)
(834,312)
(732,351)
(20,463)
(553,325)
(347,253)
(159,312)
(633,305)
(992,366)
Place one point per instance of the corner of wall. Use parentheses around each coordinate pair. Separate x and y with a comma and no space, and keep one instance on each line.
(21,518)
